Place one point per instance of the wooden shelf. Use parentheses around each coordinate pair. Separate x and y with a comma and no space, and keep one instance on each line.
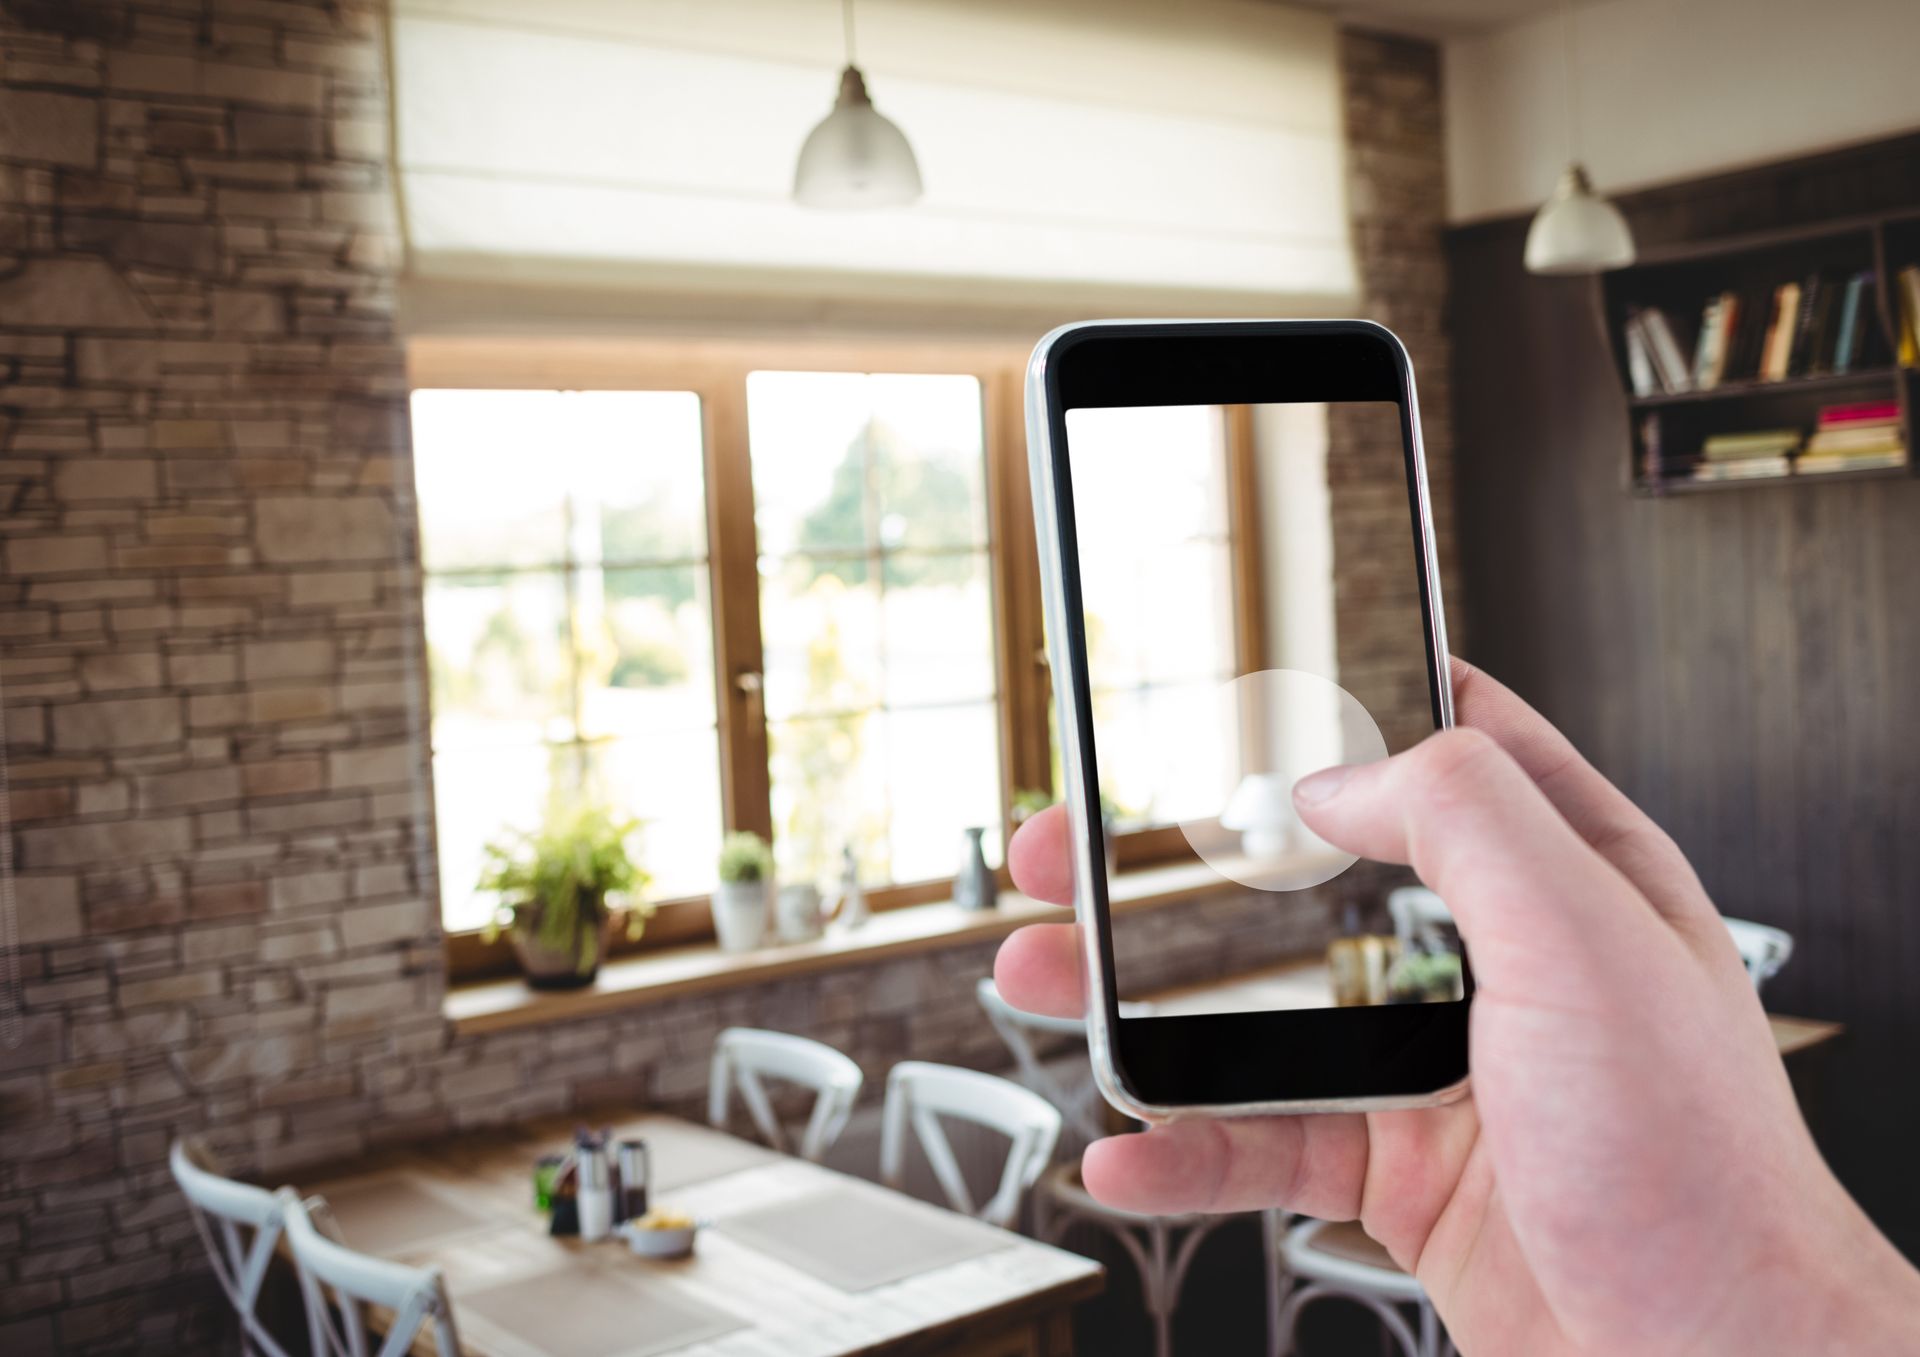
(1681,486)
(1820,381)
(1668,430)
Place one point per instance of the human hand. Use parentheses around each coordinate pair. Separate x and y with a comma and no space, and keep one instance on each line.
(1631,1173)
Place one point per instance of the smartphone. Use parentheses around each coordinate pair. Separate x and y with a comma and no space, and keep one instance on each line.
(1236,550)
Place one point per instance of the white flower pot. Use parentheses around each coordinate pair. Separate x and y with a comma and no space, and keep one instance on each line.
(740,914)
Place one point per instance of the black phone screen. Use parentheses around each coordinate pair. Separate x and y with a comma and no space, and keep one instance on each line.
(1244,537)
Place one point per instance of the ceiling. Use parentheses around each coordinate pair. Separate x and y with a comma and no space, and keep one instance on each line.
(1434,18)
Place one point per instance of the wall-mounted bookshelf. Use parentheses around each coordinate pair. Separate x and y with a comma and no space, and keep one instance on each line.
(1786,357)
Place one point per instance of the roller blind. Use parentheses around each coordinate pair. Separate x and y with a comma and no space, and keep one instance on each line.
(1193,149)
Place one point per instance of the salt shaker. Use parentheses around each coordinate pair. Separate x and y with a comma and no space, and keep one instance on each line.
(596,1191)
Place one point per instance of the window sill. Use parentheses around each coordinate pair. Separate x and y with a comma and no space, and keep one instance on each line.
(676,972)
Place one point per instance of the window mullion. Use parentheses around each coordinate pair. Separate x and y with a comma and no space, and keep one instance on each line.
(734,572)
(1027,755)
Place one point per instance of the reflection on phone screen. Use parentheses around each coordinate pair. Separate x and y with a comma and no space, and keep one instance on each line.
(1253,614)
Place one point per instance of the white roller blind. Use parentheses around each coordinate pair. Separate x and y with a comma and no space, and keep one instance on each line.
(1191,148)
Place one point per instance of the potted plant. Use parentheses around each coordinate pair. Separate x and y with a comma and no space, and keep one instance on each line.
(744,895)
(1424,978)
(561,887)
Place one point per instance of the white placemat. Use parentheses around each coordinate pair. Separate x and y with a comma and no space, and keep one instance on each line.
(857,1239)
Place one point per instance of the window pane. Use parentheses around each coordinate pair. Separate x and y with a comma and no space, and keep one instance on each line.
(590,676)
(808,434)
(935,610)
(928,461)
(820,639)
(829,791)
(671,783)
(478,795)
(484,464)
(1157,585)
(636,475)
(944,777)
(646,650)
(500,654)
(876,618)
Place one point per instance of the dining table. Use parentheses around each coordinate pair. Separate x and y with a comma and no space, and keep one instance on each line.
(1305,982)
(791,1260)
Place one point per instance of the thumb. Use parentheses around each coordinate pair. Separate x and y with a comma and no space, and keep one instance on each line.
(1533,899)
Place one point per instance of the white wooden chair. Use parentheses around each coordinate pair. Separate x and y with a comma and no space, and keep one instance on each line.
(416,1297)
(1763,948)
(240,1225)
(1310,1260)
(920,1094)
(745,1056)
(1080,1102)
(1421,920)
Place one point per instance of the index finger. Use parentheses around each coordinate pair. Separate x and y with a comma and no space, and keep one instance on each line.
(1041,858)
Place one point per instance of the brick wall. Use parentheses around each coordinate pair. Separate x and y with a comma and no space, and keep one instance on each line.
(1396,187)
(210,620)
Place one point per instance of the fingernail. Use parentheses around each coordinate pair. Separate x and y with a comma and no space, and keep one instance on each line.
(1322,786)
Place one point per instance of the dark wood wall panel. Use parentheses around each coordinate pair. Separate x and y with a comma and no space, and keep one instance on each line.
(1745,665)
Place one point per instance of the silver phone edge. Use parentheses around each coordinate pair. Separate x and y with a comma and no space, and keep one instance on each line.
(1053,603)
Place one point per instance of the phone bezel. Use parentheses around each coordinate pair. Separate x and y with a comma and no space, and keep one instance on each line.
(1160,1068)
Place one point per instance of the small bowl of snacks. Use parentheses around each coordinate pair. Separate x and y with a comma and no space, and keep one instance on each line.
(662,1234)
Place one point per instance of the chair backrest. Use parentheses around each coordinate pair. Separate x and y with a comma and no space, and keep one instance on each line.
(745,1056)
(1763,948)
(416,1297)
(1018,1029)
(1421,919)
(920,1094)
(240,1226)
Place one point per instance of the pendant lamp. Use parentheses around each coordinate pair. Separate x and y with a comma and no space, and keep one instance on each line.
(855,158)
(1577,231)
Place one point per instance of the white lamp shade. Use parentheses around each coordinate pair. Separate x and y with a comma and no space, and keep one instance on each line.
(855,158)
(1261,808)
(1577,231)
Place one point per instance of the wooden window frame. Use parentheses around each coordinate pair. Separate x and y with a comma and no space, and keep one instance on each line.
(715,371)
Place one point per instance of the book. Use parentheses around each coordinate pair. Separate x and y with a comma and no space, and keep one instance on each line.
(1639,361)
(1667,358)
(1815,297)
(1852,328)
(1710,349)
(1747,469)
(1852,461)
(1756,309)
(1733,447)
(1859,438)
(1779,343)
(1909,291)
(1860,412)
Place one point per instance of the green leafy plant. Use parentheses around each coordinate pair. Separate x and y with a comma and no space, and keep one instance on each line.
(559,883)
(745,856)
(1425,975)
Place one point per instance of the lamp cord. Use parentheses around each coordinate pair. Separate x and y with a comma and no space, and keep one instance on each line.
(846,20)
(1573,85)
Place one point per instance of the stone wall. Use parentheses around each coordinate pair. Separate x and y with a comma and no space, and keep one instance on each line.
(210,616)
(1396,188)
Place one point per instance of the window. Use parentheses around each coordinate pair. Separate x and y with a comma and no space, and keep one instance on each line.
(1158,587)
(791,597)
(876,618)
(563,536)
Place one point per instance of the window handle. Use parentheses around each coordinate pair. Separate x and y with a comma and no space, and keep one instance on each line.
(750,684)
